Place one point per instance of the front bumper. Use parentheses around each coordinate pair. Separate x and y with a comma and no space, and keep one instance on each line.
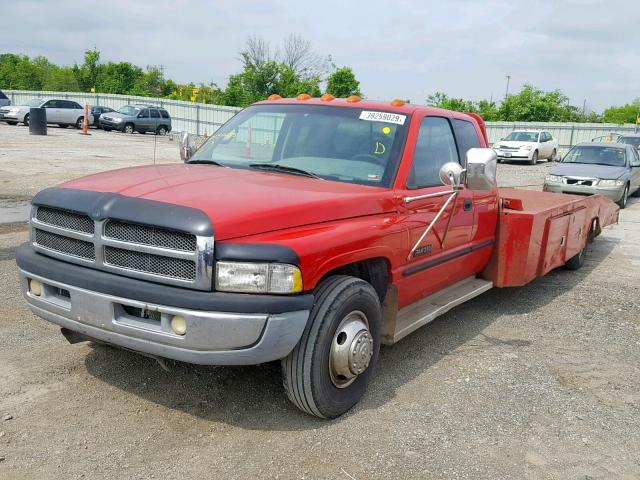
(240,332)
(614,193)
(10,117)
(109,124)
(514,154)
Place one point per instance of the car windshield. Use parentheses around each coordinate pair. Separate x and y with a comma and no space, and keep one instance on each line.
(522,137)
(635,141)
(333,143)
(34,102)
(129,110)
(596,155)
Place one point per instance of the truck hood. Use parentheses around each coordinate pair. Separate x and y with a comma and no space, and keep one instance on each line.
(588,170)
(243,202)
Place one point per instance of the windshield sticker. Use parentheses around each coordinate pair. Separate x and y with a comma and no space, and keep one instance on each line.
(386,130)
(382,117)
(380,149)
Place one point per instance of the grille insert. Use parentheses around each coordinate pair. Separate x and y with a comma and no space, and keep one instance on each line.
(150,263)
(66,245)
(65,219)
(146,235)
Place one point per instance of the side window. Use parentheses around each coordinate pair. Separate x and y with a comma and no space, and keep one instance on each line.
(435,147)
(75,106)
(635,158)
(466,136)
(164,114)
(155,114)
(144,113)
(51,104)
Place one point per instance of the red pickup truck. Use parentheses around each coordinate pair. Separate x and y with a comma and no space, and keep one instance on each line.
(304,230)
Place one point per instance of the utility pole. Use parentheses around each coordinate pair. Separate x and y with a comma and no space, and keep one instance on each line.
(506,93)
(584,109)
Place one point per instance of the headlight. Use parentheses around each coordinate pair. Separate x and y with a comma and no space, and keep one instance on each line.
(117,120)
(553,178)
(611,183)
(246,277)
(526,147)
(14,109)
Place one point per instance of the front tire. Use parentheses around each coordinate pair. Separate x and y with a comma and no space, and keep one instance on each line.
(25,120)
(128,128)
(328,371)
(622,203)
(534,158)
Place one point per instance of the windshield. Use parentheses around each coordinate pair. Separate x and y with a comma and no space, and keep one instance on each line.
(522,137)
(333,143)
(635,141)
(596,155)
(34,102)
(129,110)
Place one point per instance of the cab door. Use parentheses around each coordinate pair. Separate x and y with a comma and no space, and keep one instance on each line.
(55,113)
(143,122)
(439,222)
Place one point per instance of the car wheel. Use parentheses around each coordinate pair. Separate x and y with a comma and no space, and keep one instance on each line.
(25,120)
(80,123)
(553,156)
(12,123)
(534,158)
(128,128)
(328,371)
(622,203)
(577,261)
(161,130)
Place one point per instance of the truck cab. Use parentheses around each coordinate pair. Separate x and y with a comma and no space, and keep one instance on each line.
(304,230)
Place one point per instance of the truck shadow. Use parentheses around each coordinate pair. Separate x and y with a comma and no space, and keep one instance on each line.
(253,397)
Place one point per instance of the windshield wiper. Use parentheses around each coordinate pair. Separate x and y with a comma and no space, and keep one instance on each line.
(274,167)
(207,162)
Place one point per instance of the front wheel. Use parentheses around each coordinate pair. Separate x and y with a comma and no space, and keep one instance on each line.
(328,371)
(622,203)
(128,128)
(26,120)
(534,158)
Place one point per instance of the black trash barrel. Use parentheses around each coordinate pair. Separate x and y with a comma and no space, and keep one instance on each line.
(38,121)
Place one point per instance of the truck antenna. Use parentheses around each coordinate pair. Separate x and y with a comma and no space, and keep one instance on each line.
(155,142)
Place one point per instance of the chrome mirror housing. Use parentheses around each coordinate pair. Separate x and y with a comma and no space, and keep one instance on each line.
(481,169)
(451,174)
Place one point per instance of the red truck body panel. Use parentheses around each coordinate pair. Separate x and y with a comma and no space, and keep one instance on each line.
(542,231)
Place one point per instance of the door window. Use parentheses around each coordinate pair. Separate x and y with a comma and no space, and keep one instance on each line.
(155,114)
(635,158)
(435,147)
(466,136)
(144,113)
(51,104)
(164,114)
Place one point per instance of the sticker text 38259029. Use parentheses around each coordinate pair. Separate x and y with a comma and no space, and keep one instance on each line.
(382,117)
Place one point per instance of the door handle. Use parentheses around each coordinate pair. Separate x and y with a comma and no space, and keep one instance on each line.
(467,205)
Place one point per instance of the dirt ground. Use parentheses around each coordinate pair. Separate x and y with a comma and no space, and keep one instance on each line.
(536,382)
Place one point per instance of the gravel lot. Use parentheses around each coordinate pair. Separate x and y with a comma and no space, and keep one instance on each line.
(536,382)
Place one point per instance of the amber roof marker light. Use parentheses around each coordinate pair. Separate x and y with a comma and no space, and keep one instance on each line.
(353,99)
(397,102)
(304,96)
(327,97)
(274,96)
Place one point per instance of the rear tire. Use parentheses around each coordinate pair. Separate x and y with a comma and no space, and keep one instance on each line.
(577,261)
(161,130)
(128,128)
(80,123)
(317,375)
(622,203)
(25,120)
(534,158)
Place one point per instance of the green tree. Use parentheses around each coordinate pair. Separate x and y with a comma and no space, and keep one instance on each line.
(441,100)
(534,105)
(623,114)
(343,83)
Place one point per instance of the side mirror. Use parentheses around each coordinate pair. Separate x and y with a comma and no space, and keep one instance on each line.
(451,174)
(186,149)
(482,164)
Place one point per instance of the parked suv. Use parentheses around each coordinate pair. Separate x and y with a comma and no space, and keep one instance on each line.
(62,112)
(137,118)
(527,145)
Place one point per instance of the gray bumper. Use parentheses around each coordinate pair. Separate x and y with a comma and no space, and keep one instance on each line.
(212,338)
(614,194)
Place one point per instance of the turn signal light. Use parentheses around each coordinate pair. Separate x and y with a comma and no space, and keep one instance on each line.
(353,99)
(274,96)
(303,96)
(327,97)
(397,102)
(179,325)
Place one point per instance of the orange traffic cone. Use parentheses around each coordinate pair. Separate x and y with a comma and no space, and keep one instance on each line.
(85,124)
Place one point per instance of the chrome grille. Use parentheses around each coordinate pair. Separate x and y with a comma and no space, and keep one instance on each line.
(66,245)
(150,263)
(65,219)
(145,235)
(149,252)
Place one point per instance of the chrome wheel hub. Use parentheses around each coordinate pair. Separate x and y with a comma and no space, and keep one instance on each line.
(351,349)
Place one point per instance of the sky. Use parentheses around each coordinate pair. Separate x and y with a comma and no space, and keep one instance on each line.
(398,49)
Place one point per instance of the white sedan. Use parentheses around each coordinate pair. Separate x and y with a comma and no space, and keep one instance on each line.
(527,145)
(62,112)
